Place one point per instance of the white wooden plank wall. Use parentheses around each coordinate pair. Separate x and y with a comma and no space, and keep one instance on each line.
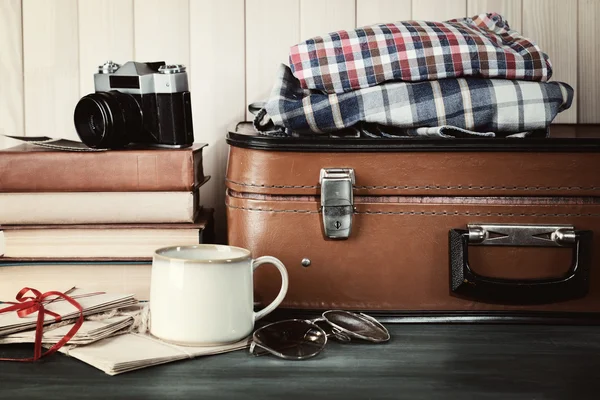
(218,97)
(162,31)
(511,10)
(51,49)
(438,10)
(11,71)
(553,25)
(105,33)
(370,12)
(50,66)
(333,15)
(272,26)
(589,61)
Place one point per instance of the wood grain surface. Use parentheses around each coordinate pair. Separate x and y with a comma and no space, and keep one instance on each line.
(334,15)
(105,33)
(552,24)
(11,71)
(511,10)
(50,67)
(420,362)
(272,27)
(162,31)
(588,61)
(218,93)
(438,10)
(370,12)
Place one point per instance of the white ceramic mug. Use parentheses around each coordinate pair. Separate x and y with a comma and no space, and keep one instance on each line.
(203,295)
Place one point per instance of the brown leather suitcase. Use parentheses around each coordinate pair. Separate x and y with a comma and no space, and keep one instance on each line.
(421,227)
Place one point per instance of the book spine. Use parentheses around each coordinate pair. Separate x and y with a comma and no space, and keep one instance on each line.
(110,171)
(93,243)
(98,208)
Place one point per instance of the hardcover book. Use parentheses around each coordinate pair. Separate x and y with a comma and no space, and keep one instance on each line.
(97,241)
(99,207)
(32,168)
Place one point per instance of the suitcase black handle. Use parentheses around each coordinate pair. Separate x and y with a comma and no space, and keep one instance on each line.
(574,284)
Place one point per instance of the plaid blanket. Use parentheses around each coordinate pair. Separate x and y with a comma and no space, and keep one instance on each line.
(482,46)
(474,104)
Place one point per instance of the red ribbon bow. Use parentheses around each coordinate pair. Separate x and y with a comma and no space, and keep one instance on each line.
(28,305)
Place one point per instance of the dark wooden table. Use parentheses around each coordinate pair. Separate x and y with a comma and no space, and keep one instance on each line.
(421,361)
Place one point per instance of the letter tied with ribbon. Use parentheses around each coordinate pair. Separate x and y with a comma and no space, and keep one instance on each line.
(27,305)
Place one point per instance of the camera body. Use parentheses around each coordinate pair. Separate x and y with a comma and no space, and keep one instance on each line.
(137,103)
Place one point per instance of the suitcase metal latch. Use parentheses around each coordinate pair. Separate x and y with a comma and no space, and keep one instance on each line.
(337,201)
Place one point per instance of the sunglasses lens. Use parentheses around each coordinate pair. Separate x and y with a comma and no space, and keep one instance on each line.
(292,339)
(358,325)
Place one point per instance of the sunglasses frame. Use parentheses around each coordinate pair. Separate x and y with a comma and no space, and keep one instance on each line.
(256,343)
(352,334)
(338,332)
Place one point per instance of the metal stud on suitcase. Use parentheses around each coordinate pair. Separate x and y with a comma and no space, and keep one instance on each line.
(462,227)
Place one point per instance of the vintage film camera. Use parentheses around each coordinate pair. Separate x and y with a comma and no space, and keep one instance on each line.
(138,103)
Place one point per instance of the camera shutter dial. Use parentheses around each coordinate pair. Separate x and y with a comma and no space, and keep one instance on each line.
(171,69)
(108,67)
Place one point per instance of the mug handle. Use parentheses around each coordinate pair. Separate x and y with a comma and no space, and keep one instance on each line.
(284,283)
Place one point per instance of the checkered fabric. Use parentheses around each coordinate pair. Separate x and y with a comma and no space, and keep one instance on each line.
(474,104)
(483,46)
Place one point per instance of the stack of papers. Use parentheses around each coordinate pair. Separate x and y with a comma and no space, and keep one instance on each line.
(132,351)
(112,338)
(89,332)
(10,322)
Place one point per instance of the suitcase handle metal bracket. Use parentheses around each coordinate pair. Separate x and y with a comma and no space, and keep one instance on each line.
(521,235)
(337,201)
(574,284)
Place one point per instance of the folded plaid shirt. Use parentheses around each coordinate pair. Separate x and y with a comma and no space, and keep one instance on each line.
(474,104)
(482,46)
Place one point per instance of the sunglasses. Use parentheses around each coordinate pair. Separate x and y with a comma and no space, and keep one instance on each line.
(297,339)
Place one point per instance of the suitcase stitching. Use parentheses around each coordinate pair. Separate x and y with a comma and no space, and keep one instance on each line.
(482,187)
(273,186)
(275,211)
(477,214)
(426,213)
(430,187)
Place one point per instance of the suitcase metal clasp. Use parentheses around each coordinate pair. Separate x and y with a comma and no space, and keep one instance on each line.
(337,201)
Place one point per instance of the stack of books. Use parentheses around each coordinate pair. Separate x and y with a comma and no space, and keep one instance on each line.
(94,219)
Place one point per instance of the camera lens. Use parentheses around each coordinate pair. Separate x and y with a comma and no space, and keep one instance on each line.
(107,120)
